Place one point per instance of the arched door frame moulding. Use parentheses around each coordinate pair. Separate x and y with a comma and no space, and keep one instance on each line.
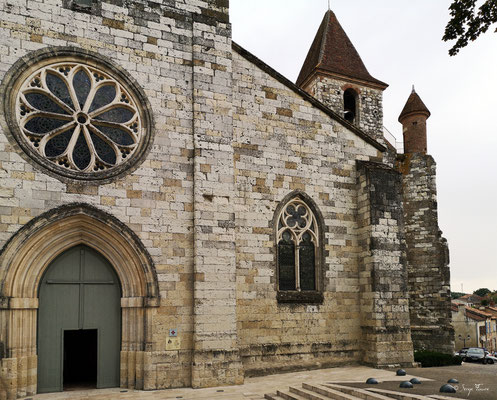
(27,255)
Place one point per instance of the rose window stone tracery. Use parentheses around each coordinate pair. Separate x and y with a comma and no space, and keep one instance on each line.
(78,117)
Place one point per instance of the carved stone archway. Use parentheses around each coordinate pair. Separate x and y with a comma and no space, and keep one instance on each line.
(24,259)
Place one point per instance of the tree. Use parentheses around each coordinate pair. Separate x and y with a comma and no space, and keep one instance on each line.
(482,292)
(456,295)
(467,23)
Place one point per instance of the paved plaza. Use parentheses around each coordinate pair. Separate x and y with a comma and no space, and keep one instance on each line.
(253,389)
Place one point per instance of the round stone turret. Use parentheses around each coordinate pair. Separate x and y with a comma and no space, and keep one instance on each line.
(413,119)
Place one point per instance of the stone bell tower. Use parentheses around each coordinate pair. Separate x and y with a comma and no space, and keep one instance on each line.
(333,72)
(427,251)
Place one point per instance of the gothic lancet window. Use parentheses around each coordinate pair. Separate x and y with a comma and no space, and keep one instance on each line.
(298,243)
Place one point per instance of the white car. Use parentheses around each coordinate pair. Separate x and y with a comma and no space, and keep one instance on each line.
(490,358)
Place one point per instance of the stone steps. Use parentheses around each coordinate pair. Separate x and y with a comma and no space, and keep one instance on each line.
(407,396)
(439,397)
(363,394)
(295,393)
(398,395)
(311,394)
(286,395)
(331,391)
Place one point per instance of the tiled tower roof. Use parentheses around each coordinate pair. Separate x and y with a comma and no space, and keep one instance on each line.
(414,105)
(333,52)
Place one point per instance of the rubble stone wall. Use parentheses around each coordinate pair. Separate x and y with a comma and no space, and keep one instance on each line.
(427,257)
(370,102)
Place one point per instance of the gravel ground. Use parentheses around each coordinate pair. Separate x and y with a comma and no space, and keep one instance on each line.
(476,381)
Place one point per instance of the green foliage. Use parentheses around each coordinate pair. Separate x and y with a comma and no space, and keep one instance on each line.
(467,23)
(482,292)
(435,359)
(456,295)
(484,302)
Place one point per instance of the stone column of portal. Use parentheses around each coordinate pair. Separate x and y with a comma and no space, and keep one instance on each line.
(216,359)
(386,335)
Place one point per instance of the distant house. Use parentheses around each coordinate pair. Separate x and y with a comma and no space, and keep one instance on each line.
(469,300)
(492,328)
(474,327)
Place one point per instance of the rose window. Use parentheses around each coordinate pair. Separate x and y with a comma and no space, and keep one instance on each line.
(79,118)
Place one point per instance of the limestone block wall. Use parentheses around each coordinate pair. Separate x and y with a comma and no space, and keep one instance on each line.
(284,145)
(330,91)
(230,141)
(427,256)
(386,339)
(153,43)
(215,355)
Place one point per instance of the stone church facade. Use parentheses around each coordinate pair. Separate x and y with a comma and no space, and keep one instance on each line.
(166,194)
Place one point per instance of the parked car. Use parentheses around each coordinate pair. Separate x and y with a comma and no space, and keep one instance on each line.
(491,359)
(462,352)
(477,354)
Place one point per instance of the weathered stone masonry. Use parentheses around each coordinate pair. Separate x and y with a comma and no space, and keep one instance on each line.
(427,250)
(383,273)
(190,226)
(279,136)
(427,257)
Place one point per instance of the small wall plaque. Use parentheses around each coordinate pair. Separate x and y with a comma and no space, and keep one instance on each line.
(173,343)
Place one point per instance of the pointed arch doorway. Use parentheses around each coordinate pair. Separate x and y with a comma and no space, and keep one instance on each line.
(23,263)
(79,323)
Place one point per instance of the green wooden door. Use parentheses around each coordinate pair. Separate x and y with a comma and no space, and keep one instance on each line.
(79,291)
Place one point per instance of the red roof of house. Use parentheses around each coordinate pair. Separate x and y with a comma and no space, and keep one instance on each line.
(477,315)
(467,296)
(333,52)
(492,311)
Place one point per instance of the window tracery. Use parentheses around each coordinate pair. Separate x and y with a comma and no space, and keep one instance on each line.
(78,117)
(298,243)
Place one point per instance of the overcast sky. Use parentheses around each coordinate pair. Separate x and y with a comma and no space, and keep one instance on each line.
(400,44)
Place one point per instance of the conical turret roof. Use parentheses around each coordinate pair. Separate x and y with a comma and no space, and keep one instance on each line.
(333,52)
(414,105)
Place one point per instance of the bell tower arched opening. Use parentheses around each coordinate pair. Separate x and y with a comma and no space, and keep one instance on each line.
(350,108)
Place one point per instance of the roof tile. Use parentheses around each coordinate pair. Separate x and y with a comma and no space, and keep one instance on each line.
(332,51)
(415,105)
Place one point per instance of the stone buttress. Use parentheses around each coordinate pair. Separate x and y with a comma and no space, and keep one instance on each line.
(386,339)
(215,354)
